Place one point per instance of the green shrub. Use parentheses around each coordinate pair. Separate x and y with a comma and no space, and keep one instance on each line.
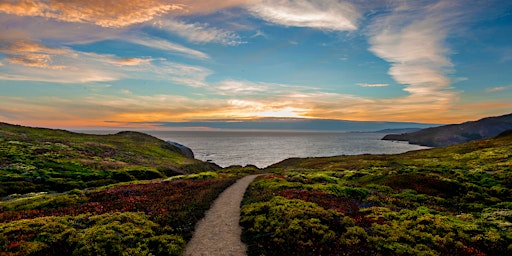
(291,227)
(125,233)
(39,236)
(37,201)
(121,176)
(323,177)
(196,176)
(344,191)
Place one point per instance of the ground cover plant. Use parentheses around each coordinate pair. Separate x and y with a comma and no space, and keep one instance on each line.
(151,218)
(446,201)
(37,159)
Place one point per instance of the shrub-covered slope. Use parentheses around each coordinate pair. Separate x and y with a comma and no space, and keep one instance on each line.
(147,218)
(38,159)
(446,201)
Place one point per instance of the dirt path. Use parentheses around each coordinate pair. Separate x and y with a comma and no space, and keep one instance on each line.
(218,233)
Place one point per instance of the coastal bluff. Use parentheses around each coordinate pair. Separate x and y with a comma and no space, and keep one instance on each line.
(456,133)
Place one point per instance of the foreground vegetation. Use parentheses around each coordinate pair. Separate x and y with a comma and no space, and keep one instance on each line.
(446,201)
(150,218)
(36,159)
(66,193)
(132,194)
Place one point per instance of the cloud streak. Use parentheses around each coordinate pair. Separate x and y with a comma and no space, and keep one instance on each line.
(32,55)
(30,61)
(372,85)
(498,89)
(199,32)
(165,45)
(330,15)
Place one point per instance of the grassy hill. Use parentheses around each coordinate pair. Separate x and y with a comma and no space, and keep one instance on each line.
(135,207)
(453,200)
(38,159)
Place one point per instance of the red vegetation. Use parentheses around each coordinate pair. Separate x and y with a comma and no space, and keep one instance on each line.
(348,206)
(179,204)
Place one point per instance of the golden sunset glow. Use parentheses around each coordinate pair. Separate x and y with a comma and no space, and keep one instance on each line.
(104,63)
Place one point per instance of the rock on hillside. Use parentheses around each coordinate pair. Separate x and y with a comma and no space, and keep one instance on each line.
(456,133)
(186,151)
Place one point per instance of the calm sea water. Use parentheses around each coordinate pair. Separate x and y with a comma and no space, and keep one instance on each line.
(263,148)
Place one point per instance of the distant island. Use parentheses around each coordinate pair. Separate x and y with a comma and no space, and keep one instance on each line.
(456,133)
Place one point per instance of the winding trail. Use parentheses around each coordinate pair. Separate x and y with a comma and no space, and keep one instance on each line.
(218,233)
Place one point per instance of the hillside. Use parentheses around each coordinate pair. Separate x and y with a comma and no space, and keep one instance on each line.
(454,200)
(456,133)
(38,159)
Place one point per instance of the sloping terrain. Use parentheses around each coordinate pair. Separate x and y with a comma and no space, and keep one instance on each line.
(38,159)
(454,200)
(456,133)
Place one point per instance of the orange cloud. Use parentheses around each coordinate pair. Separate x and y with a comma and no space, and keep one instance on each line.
(130,61)
(32,55)
(119,13)
(208,6)
(99,12)
(30,47)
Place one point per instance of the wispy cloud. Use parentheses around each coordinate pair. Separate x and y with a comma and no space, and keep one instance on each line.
(30,61)
(131,61)
(234,87)
(412,38)
(165,45)
(259,33)
(199,32)
(31,54)
(498,89)
(193,76)
(372,85)
(325,15)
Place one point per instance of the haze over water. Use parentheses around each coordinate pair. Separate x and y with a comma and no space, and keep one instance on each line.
(263,148)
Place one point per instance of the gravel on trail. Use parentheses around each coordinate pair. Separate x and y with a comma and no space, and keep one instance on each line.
(218,233)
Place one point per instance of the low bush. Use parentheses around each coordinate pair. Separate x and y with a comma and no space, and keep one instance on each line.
(291,227)
(125,233)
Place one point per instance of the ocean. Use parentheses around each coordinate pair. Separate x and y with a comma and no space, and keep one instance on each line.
(263,148)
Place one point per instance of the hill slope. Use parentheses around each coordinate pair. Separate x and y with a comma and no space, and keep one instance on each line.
(454,200)
(456,133)
(38,159)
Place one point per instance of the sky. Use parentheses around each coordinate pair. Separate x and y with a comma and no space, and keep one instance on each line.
(95,63)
